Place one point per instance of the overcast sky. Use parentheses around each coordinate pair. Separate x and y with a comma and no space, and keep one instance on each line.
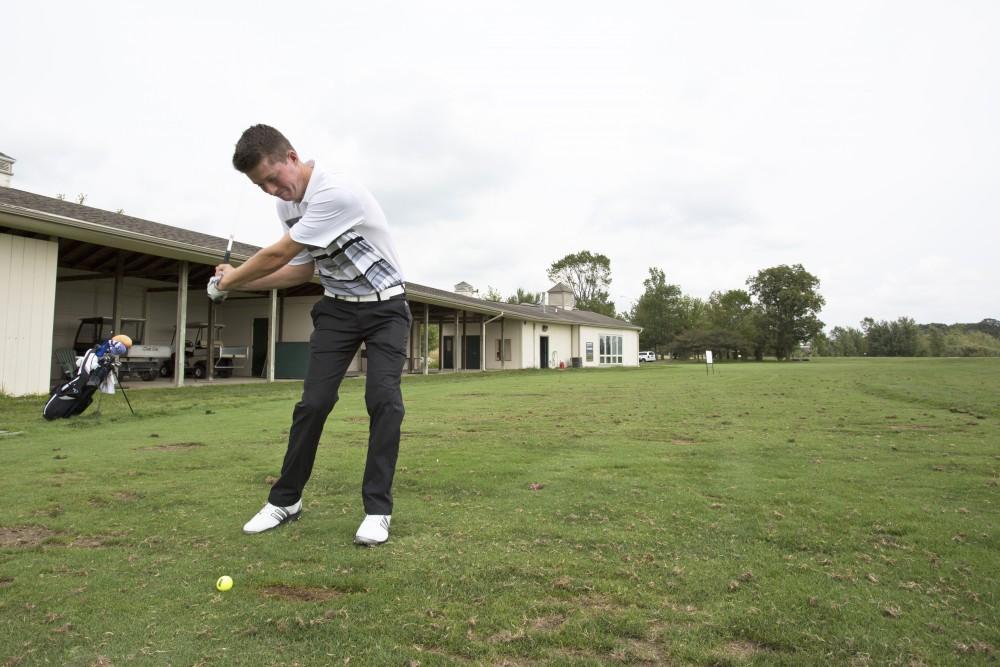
(709,139)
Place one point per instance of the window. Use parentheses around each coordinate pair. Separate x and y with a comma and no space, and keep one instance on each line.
(611,349)
(506,349)
(590,351)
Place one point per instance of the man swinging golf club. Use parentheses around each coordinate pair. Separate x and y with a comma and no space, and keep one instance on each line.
(331,223)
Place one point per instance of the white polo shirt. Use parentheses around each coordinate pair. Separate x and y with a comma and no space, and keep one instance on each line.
(345,232)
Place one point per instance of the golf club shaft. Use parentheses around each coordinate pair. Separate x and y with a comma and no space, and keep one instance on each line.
(229,249)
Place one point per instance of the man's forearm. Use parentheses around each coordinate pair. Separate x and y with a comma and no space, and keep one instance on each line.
(264,263)
(287,276)
(269,268)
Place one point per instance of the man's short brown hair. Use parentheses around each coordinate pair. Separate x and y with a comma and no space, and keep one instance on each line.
(259,142)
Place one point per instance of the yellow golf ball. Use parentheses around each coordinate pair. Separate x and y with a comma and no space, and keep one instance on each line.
(224,583)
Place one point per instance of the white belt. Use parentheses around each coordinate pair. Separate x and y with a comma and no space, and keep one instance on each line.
(377,296)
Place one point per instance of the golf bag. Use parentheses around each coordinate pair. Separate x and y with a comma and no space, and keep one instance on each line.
(96,368)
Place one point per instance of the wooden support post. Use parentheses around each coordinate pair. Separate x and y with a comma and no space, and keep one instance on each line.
(180,344)
(465,345)
(116,303)
(210,360)
(272,334)
(456,352)
(427,338)
(412,334)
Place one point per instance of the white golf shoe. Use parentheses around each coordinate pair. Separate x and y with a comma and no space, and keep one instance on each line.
(272,516)
(373,530)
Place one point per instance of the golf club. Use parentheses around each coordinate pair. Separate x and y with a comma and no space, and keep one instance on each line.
(229,250)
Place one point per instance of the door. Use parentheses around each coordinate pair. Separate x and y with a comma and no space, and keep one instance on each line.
(261,325)
(448,351)
(543,351)
(472,351)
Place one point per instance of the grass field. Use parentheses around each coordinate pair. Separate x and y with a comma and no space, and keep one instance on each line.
(836,512)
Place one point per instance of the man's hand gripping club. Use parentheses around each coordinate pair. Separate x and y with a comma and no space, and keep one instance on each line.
(215,294)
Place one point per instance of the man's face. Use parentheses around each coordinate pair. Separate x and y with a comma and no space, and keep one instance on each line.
(283,180)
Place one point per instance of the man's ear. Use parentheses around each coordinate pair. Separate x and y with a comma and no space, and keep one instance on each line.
(292,156)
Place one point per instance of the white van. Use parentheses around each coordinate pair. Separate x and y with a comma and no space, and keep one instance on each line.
(647,356)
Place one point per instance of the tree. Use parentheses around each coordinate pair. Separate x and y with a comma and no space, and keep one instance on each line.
(936,341)
(493,294)
(821,345)
(847,342)
(732,312)
(658,311)
(892,339)
(789,304)
(589,276)
(524,296)
(697,340)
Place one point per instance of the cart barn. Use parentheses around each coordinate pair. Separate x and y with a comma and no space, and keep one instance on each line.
(74,273)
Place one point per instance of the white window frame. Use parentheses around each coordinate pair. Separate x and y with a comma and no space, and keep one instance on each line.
(611,350)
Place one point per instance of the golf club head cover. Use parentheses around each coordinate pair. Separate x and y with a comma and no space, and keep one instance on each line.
(123,339)
(214,293)
(112,347)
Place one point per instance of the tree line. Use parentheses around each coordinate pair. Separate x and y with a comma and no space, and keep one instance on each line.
(776,315)
(905,338)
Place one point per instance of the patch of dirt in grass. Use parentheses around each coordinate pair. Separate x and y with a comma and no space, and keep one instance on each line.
(974,647)
(742,649)
(50,511)
(548,623)
(594,602)
(639,652)
(126,496)
(683,441)
(507,636)
(910,427)
(90,541)
(300,593)
(101,661)
(23,536)
(172,447)
(6,581)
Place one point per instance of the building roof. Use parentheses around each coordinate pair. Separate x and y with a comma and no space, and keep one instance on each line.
(560,287)
(531,313)
(7,157)
(56,217)
(117,224)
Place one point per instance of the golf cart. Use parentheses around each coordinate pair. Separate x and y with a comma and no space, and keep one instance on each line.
(224,359)
(141,359)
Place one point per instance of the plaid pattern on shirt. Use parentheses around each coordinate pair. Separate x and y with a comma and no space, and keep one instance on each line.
(351,266)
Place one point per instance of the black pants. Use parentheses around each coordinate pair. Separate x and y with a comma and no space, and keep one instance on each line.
(339,328)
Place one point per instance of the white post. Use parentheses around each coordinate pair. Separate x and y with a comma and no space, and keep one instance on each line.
(180,344)
(272,334)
